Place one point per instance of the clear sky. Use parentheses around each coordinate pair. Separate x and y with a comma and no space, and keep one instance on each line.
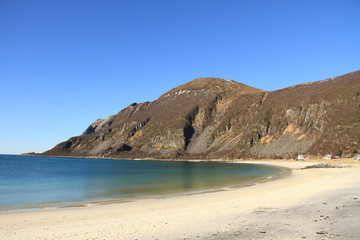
(64,64)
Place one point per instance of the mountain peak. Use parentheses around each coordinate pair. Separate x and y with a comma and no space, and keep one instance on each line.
(216,85)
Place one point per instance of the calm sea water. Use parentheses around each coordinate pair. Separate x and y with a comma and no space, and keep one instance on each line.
(28,182)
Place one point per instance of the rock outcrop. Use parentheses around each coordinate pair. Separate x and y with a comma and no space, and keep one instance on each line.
(220,118)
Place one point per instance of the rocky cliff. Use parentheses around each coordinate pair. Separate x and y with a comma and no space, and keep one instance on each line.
(217,118)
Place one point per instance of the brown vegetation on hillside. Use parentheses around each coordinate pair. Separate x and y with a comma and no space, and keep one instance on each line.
(219,118)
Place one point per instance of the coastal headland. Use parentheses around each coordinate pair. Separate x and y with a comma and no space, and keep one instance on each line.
(212,118)
(321,202)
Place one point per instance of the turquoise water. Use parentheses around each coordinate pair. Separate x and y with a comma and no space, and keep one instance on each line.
(30,182)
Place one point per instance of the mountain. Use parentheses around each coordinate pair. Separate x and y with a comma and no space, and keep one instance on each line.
(220,118)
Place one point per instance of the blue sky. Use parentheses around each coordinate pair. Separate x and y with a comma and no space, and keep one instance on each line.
(63,64)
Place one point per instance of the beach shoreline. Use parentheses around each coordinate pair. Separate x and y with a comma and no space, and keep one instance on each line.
(308,203)
(60,204)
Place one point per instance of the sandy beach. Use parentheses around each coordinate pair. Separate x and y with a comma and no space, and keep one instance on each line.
(314,203)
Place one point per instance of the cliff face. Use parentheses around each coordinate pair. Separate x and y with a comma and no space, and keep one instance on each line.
(216,118)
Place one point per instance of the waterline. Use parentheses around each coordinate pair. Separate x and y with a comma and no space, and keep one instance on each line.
(48,182)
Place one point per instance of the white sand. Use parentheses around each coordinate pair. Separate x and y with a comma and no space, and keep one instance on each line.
(310,204)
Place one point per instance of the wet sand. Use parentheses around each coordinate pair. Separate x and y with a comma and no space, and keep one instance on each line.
(315,203)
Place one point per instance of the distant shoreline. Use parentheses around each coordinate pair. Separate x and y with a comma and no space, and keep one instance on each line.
(311,159)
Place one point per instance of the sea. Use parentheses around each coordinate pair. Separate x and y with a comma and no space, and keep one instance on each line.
(33,182)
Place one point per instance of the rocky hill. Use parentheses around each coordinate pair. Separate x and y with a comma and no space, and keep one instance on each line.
(217,118)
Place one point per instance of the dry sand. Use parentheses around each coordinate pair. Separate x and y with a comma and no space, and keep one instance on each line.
(317,203)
